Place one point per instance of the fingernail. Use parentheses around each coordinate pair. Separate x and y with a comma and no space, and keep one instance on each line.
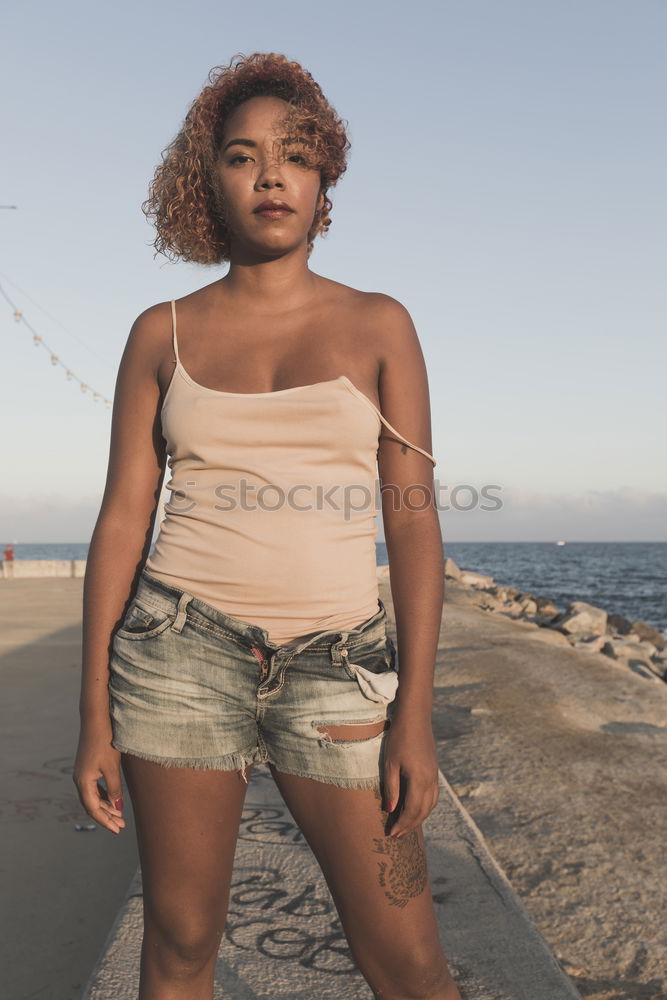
(118,804)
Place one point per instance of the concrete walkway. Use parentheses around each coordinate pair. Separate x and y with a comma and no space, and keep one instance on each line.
(283,940)
(61,888)
(560,757)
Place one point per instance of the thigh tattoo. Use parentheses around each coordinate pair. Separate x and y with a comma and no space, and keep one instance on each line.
(403,875)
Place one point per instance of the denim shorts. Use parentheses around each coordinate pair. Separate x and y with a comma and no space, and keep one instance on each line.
(191,686)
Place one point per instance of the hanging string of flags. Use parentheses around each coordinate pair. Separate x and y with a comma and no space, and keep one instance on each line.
(55,360)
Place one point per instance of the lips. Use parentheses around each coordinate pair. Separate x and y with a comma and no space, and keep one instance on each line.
(273,207)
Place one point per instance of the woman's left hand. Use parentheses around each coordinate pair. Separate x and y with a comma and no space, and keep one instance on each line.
(410,759)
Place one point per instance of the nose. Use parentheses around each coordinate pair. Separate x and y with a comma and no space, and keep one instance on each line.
(270,179)
(270,176)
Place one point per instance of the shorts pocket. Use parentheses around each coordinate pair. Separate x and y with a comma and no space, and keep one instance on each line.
(144,622)
(374,670)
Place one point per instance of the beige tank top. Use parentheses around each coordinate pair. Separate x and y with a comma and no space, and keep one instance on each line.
(274,499)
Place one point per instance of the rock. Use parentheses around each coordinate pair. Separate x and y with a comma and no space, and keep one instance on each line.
(498,591)
(625,649)
(551,636)
(643,669)
(468,788)
(544,603)
(506,594)
(547,613)
(619,624)
(646,631)
(636,656)
(658,664)
(510,610)
(518,619)
(452,570)
(528,606)
(589,643)
(485,601)
(582,618)
(471,579)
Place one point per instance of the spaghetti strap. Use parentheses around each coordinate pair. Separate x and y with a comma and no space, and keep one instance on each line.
(405,440)
(173,329)
(369,402)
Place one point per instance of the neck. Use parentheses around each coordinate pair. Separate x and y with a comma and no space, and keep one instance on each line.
(279,284)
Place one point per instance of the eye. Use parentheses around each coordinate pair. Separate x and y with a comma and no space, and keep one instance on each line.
(239,156)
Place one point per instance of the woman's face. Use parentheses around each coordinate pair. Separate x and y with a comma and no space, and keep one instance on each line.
(257,163)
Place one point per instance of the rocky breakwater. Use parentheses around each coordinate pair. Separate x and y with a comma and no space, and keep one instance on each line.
(635,645)
(559,754)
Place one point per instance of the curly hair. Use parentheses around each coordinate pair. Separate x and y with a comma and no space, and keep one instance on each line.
(184,201)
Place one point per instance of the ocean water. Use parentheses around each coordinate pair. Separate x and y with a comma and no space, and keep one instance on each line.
(626,578)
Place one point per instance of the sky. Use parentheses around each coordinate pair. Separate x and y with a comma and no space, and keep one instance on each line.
(505,183)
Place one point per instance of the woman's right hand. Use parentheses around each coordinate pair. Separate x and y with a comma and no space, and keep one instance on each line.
(96,758)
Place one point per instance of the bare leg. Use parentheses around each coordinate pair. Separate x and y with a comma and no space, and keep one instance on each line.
(187,825)
(379,885)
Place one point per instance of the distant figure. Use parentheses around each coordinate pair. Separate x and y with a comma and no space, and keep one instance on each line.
(8,560)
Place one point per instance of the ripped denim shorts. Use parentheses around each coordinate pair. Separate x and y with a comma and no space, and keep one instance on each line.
(191,686)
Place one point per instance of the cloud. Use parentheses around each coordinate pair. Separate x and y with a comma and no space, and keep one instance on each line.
(626,514)
(48,517)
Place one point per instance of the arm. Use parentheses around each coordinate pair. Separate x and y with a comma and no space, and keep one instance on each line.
(119,546)
(414,545)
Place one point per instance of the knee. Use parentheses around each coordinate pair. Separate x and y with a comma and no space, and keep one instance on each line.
(421,976)
(184,944)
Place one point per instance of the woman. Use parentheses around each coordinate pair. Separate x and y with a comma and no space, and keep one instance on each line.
(255,631)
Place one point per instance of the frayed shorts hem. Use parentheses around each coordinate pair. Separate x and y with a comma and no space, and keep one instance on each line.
(240,761)
(341,780)
(227,762)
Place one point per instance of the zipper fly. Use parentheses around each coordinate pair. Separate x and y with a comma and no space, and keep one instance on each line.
(264,663)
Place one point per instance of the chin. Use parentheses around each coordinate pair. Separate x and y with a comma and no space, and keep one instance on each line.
(276,246)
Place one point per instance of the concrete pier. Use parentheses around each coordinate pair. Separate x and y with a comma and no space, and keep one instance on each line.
(545,850)
(283,940)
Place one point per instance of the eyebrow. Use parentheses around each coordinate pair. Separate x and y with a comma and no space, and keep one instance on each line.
(239,142)
(252,144)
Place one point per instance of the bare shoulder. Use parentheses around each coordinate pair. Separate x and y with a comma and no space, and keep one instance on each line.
(151,329)
(391,315)
(148,350)
(403,390)
(394,333)
(379,314)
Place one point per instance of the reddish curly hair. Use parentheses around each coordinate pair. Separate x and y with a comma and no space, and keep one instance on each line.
(184,202)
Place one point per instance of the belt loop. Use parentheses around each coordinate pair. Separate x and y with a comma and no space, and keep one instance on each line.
(337,649)
(181,614)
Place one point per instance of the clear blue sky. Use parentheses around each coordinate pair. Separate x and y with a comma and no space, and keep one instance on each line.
(506,183)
